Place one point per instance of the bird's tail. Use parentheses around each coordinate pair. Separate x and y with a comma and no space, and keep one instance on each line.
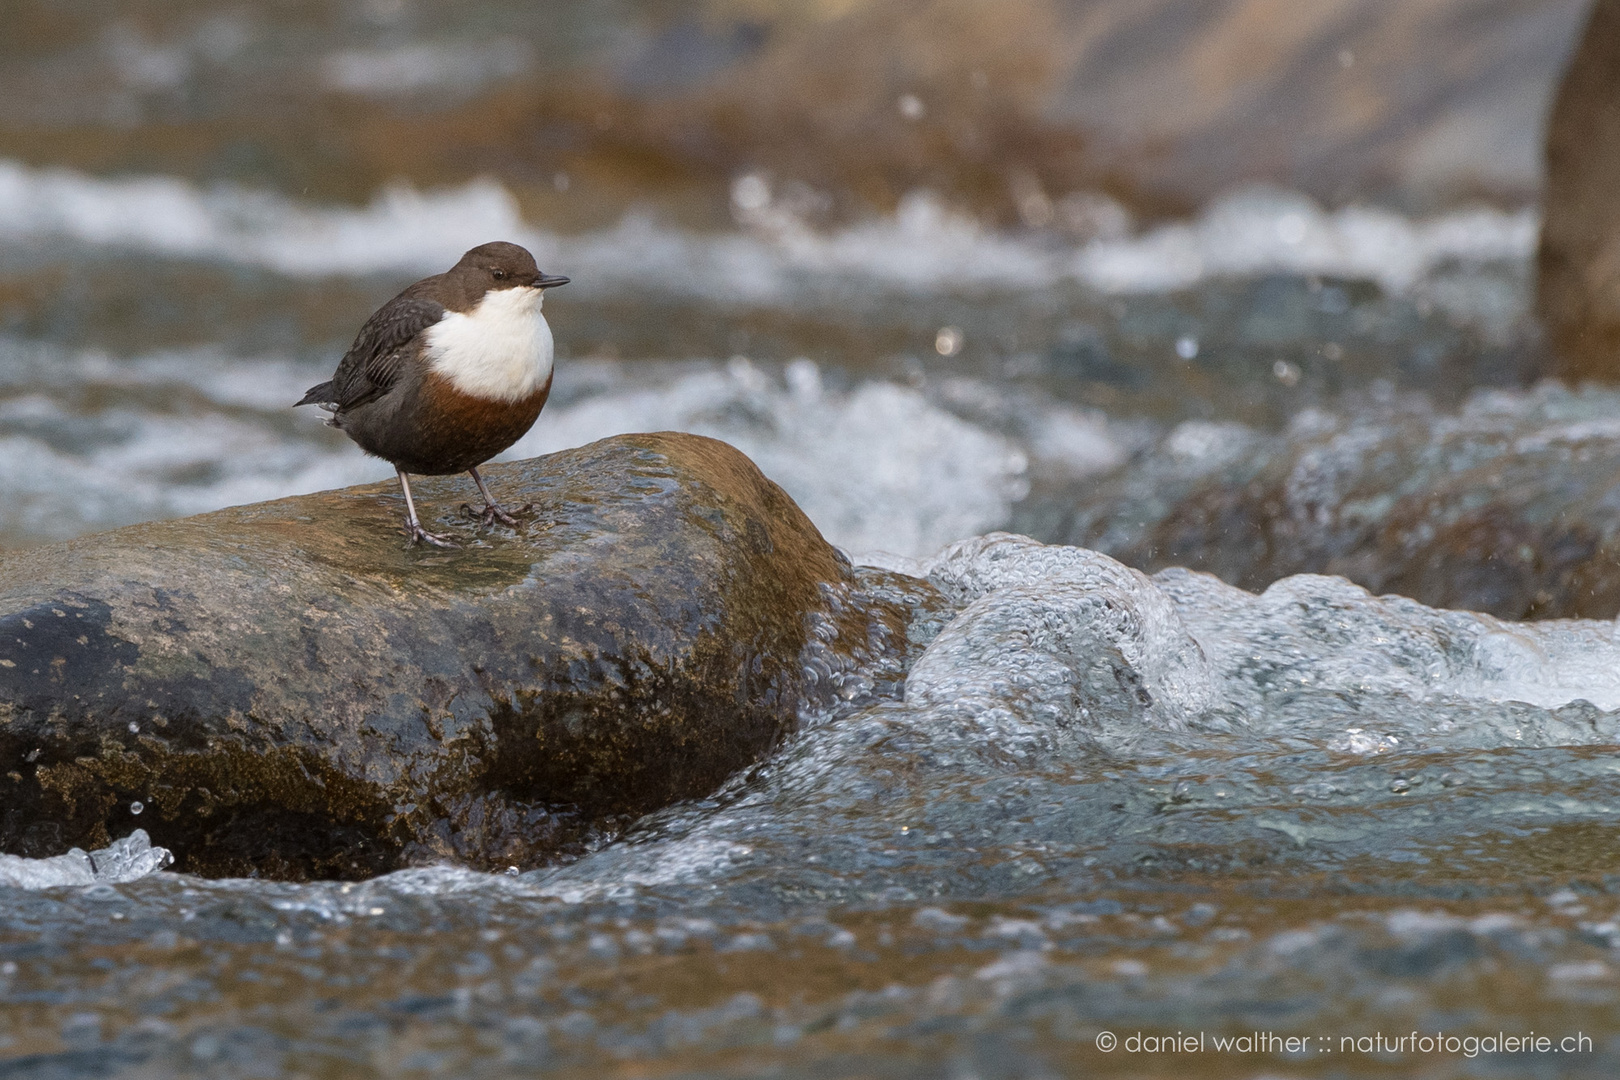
(317,395)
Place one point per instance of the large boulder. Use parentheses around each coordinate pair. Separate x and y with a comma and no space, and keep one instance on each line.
(286,689)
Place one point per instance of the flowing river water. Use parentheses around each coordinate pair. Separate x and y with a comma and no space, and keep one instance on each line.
(1103,803)
(1105,824)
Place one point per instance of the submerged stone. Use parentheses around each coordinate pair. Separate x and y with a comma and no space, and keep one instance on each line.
(286,689)
(1505,506)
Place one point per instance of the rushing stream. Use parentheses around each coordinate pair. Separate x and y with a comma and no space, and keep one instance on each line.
(1106,823)
(1104,802)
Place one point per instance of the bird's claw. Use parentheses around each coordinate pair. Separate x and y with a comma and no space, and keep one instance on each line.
(420,535)
(492,512)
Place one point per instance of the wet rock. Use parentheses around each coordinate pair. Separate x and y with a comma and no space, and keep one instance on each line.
(1507,506)
(285,689)
(1578,264)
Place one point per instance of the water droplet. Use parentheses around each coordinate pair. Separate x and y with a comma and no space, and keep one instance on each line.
(948,342)
(511,871)
(1286,373)
(134,728)
(803,379)
(136,807)
(911,107)
(205,1048)
(1187,347)
(1291,228)
(1199,914)
(751,192)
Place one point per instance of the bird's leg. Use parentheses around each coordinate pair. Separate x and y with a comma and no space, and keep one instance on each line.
(413,527)
(493,511)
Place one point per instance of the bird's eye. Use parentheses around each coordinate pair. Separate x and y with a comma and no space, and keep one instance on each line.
(500,275)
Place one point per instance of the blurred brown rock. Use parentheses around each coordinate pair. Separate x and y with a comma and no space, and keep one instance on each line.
(1005,108)
(1578,264)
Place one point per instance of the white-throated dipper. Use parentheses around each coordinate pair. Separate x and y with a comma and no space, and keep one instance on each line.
(448,373)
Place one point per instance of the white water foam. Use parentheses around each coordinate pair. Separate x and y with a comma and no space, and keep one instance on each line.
(401,230)
(187,432)
(1057,652)
(1313,633)
(1261,231)
(1058,635)
(1051,637)
(696,859)
(923,247)
(448,68)
(878,466)
(128,859)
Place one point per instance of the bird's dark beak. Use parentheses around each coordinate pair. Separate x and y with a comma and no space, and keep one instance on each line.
(550,281)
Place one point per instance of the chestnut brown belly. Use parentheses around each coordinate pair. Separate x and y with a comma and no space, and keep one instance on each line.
(455,431)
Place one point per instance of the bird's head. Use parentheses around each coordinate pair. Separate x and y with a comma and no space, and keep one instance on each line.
(500,265)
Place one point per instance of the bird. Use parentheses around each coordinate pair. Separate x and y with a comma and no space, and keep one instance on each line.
(447,374)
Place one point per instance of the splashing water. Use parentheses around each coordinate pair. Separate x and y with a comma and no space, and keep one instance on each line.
(923,247)
(1097,800)
(129,859)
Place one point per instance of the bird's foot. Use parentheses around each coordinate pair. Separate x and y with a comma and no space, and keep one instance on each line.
(420,535)
(493,512)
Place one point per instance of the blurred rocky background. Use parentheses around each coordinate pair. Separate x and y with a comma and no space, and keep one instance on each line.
(1018,109)
(1579,258)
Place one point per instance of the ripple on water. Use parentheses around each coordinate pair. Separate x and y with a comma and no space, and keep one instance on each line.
(1309,809)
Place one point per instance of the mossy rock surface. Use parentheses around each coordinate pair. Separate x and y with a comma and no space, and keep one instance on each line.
(290,691)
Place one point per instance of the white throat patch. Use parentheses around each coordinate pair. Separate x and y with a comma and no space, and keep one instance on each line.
(500,351)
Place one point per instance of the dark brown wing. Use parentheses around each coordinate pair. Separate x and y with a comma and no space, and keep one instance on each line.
(372,364)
